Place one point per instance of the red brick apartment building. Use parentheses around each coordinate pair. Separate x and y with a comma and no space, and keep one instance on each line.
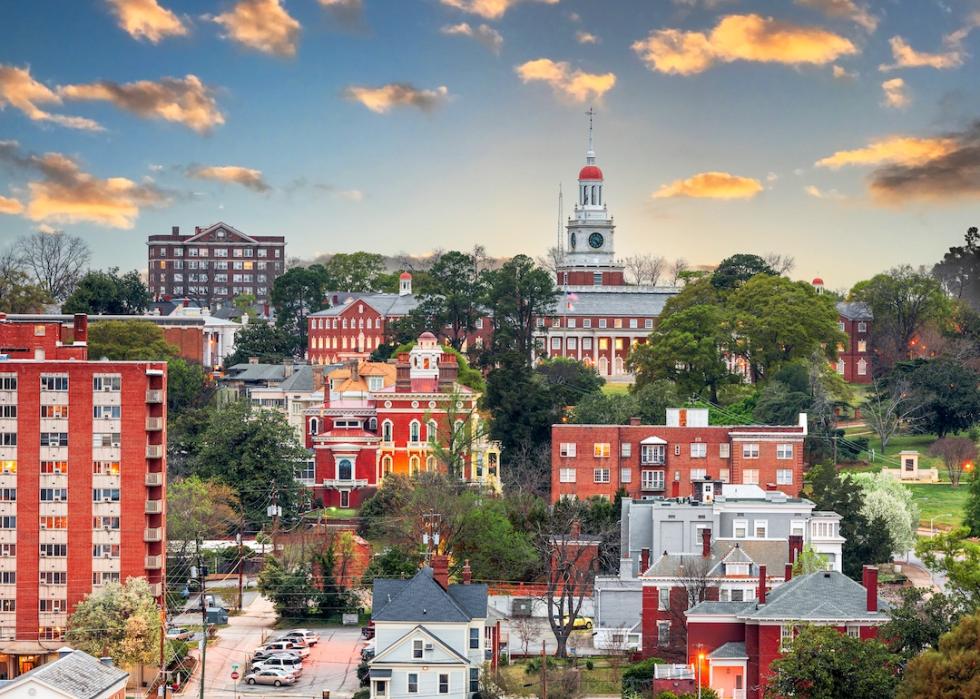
(82,479)
(664,460)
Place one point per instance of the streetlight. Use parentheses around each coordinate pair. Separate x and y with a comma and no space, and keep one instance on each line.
(699,646)
(932,522)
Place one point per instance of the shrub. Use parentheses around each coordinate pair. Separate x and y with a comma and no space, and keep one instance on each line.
(589,665)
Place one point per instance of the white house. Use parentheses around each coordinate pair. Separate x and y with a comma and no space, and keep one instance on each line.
(431,637)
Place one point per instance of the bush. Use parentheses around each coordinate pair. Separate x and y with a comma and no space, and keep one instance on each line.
(363,693)
(667,694)
(638,677)
(589,665)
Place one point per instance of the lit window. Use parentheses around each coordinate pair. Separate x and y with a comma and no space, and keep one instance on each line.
(601,450)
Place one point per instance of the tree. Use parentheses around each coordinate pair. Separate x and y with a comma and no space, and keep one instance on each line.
(644,269)
(108,293)
(779,263)
(808,561)
(265,342)
(128,340)
(517,295)
(892,502)
(17,293)
(777,321)
(55,261)
(568,380)
(822,663)
(256,453)
(290,587)
(452,301)
(296,294)
(959,270)
(919,620)
(491,544)
(185,385)
(357,271)
(199,509)
(734,271)
(971,510)
(676,270)
(648,402)
(456,439)
(520,406)
(904,301)
(959,454)
(948,392)
(957,558)
(949,672)
(888,410)
(120,621)
(688,348)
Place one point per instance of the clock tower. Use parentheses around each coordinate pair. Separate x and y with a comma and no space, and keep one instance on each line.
(588,257)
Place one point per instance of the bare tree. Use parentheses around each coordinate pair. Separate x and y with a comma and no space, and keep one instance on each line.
(552,260)
(676,270)
(525,628)
(956,453)
(644,269)
(781,264)
(656,265)
(888,411)
(635,268)
(56,261)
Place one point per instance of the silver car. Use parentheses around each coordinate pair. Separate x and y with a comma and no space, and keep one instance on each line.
(288,663)
(276,678)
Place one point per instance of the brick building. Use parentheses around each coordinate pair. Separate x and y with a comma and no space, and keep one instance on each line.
(665,460)
(854,360)
(214,265)
(82,481)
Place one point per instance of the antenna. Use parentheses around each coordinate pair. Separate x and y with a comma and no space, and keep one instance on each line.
(590,154)
(561,252)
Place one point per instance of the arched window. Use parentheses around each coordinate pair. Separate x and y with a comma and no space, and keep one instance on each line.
(386,428)
(618,364)
(431,431)
(593,194)
(430,463)
(414,431)
(345,470)
(314,426)
(386,466)
(599,202)
(413,466)
(372,424)
(585,196)
(603,366)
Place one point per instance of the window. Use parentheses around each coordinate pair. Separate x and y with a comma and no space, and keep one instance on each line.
(625,475)
(663,598)
(797,527)
(105,551)
(740,529)
(474,680)
(566,449)
(345,470)
(570,322)
(431,431)
(784,451)
(474,637)
(723,475)
(601,450)
(9,605)
(785,637)
(105,468)
(602,323)
(105,495)
(750,451)
(8,382)
(648,323)
(386,428)
(784,476)
(761,529)
(587,323)
(653,454)
(737,595)
(617,322)
(597,278)
(625,450)
(106,412)
(556,343)
(566,475)
(862,327)
(8,550)
(54,439)
(108,523)
(840,325)
(414,466)
(651,480)
(862,367)
(663,633)
(8,439)
(853,631)
(443,683)
(48,577)
(51,412)
(54,550)
(413,682)
(414,431)
(307,471)
(586,344)
(54,467)
(699,474)
(862,345)
(699,450)
(840,366)
(600,475)
(634,323)
(54,494)
(54,382)
(8,522)
(572,343)
(724,450)
(106,439)
(8,577)
(54,522)
(380,689)
(10,411)
(750,476)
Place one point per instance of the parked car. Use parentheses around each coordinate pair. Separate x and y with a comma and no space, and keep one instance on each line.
(289,663)
(368,631)
(179,634)
(368,651)
(280,646)
(580,623)
(263,654)
(310,637)
(276,678)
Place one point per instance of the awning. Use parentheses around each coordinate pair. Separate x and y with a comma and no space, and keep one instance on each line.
(653,440)
(380,674)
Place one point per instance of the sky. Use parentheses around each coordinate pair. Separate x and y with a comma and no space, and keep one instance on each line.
(845,133)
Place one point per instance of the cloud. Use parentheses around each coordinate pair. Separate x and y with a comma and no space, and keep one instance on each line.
(488,9)
(185,101)
(22,92)
(263,25)
(907,57)
(10,206)
(66,194)
(843,9)
(586,38)
(576,85)
(484,33)
(904,150)
(245,176)
(711,185)
(349,13)
(146,19)
(841,73)
(354,195)
(740,38)
(817,193)
(896,96)
(385,97)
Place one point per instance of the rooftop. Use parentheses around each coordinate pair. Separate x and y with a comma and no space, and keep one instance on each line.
(422,599)
(75,674)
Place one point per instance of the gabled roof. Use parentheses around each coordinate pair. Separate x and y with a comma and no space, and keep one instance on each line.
(772,553)
(77,675)
(385,304)
(822,595)
(379,658)
(215,226)
(422,600)
(300,382)
(855,310)
(733,650)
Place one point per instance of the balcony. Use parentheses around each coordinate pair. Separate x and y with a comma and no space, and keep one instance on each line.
(154,451)
(154,562)
(154,479)
(154,507)
(153,534)
(342,483)
(154,424)
(154,396)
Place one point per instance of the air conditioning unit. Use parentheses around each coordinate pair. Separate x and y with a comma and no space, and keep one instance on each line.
(428,646)
(107,554)
(107,498)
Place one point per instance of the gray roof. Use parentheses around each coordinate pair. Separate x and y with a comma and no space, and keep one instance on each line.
(823,595)
(616,303)
(300,382)
(77,674)
(772,553)
(855,310)
(256,372)
(732,649)
(422,599)
(385,304)
(713,607)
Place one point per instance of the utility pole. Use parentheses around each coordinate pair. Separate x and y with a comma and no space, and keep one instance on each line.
(430,534)
(202,577)
(163,635)
(241,570)
(544,672)
(274,511)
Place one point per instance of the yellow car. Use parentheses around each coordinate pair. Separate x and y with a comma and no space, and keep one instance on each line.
(581,623)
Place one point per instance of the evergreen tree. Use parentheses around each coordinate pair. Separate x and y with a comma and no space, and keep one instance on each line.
(951,672)
(971,511)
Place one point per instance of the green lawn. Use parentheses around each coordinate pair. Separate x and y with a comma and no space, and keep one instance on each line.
(942,501)
(917,442)
(615,388)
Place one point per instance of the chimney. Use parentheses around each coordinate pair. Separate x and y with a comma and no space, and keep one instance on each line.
(467,573)
(403,375)
(644,560)
(319,378)
(175,231)
(80,329)
(448,371)
(106,660)
(635,421)
(253,360)
(287,368)
(762,585)
(795,547)
(869,578)
(440,571)
(197,229)
(789,572)
(705,543)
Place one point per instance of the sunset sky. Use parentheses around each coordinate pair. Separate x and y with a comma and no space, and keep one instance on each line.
(845,133)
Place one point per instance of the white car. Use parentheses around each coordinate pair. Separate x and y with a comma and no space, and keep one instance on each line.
(179,634)
(310,637)
(283,646)
(289,663)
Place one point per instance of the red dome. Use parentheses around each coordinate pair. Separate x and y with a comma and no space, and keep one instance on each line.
(405,275)
(817,281)
(590,172)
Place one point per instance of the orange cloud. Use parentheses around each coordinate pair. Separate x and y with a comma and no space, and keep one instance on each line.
(488,9)
(843,9)
(382,99)
(576,85)
(185,101)
(907,57)
(904,150)
(711,185)
(146,19)
(245,176)
(10,206)
(895,95)
(586,38)
(817,193)
(740,38)
(22,92)
(263,25)
(484,33)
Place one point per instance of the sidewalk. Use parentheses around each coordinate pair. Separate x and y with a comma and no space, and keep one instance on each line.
(917,575)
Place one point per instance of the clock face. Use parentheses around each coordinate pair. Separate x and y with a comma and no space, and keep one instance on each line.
(596,240)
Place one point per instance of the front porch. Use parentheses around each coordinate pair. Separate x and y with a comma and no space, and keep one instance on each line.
(727,670)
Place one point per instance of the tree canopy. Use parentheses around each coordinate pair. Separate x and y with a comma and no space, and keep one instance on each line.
(946,391)
(518,293)
(108,293)
(890,501)
(950,672)
(120,621)
(269,343)
(296,294)
(736,270)
(452,300)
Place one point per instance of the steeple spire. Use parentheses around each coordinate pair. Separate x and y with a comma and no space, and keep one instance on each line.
(590,154)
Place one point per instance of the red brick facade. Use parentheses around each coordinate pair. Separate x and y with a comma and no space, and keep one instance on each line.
(854,360)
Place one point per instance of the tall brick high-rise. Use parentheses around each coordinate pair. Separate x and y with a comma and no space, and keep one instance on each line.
(82,479)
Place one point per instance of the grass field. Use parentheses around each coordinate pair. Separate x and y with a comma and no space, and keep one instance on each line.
(615,388)
(602,679)
(942,501)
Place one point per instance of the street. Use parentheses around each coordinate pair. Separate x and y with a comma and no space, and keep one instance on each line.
(332,663)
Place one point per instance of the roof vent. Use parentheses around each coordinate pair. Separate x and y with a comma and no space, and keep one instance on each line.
(826,574)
